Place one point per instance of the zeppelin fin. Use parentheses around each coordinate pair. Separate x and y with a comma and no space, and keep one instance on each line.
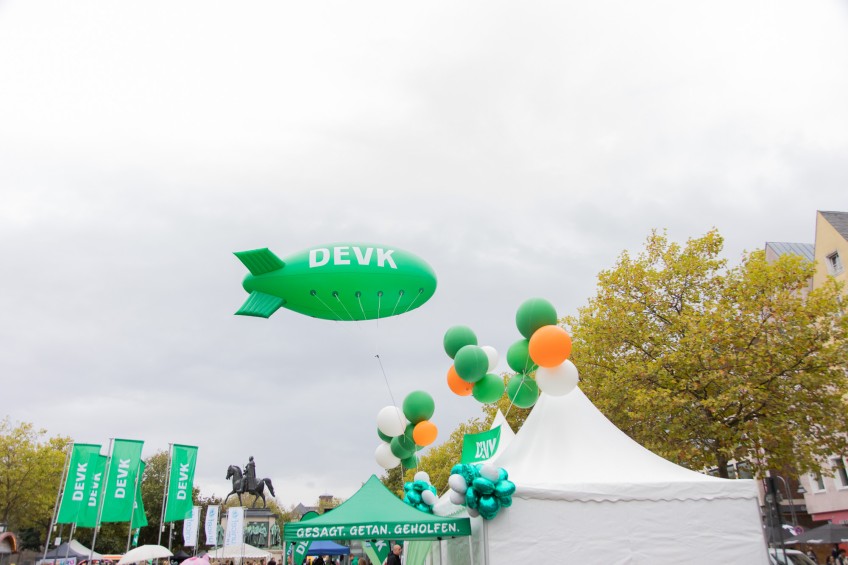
(260,261)
(260,305)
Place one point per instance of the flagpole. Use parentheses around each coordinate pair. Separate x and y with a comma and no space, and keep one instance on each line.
(62,481)
(132,509)
(102,493)
(164,497)
(197,531)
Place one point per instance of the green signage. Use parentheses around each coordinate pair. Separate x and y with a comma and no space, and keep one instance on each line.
(181,483)
(78,472)
(398,530)
(480,447)
(87,517)
(139,517)
(119,493)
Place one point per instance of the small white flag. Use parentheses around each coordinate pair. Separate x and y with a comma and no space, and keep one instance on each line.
(190,527)
(235,527)
(211,525)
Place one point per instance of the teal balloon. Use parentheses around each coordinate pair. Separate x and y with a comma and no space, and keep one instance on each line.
(488,389)
(533,314)
(483,486)
(522,391)
(383,436)
(400,449)
(488,507)
(458,337)
(504,489)
(410,462)
(471,363)
(420,485)
(502,474)
(418,406)
(471,499)
(518,357)
(413,498)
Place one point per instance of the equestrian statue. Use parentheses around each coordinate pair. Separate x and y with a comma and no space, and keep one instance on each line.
(246,483)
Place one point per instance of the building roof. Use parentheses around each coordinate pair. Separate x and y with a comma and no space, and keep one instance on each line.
(839,221)
(805,250)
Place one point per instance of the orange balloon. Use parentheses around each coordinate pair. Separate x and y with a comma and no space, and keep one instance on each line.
(550,346)
(457,385)
(424,433)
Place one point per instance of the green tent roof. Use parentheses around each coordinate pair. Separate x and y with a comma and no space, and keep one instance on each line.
(373,512)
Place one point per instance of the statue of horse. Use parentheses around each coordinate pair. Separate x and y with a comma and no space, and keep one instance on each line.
(234,472)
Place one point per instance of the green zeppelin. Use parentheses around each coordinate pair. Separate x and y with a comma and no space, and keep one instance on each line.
(342,281)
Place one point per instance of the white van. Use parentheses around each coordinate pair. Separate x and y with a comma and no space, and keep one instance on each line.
(793,557)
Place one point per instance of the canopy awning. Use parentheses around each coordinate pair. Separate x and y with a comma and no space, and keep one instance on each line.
(375,513)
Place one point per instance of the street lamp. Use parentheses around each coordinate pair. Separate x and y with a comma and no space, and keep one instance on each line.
(791,501)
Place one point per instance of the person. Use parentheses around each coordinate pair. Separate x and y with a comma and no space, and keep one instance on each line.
(318,561)
(394,556)
(249,482)
(272,562)
(840,558)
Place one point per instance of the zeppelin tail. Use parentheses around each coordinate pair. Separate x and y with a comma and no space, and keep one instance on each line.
(260,305)
(260,261)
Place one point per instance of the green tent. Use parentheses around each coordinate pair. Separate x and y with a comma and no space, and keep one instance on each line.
(373,512)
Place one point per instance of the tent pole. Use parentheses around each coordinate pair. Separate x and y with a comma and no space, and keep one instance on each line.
(62,481)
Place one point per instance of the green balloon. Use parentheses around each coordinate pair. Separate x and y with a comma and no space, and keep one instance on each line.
(340,282)
(488,389)
(471,363)
(407,434)
(522,391)
(383,436)
(418,406)
(400,448)
(458,337)
(410,462)
(533,314)
(518,357)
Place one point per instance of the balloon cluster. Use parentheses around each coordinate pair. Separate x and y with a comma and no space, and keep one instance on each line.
(544,351)
(420,493)
(471,372)
(482,489)
(405,431)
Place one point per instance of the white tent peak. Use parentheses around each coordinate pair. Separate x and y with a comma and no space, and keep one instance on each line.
(567,447)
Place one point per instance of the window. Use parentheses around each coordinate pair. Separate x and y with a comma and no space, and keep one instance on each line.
(731,471)
(834,263)
(745,470)
(839,472)
(817,482)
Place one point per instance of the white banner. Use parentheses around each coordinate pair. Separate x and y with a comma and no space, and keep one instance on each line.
(235,527)
(190,527)
(211,525)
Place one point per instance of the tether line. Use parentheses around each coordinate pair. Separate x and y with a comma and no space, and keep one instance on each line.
(339,300)
(325,305)
(386,378)
(420,292)
(400,295)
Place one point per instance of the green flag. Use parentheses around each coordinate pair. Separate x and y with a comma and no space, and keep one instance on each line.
(118,496)
(139,518)
(87,517)
(378,549)
(74,493)
(480,447)
(181,483)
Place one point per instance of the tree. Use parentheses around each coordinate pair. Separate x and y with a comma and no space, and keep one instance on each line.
(703,364)
(30,472)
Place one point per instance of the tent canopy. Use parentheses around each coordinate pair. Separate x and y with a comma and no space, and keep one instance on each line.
(374,512)
(72,548)
(324,547)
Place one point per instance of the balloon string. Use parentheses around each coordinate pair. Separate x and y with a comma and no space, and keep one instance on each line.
(400,295)
(420,292)
(339,300)
(380,361)
(315,294)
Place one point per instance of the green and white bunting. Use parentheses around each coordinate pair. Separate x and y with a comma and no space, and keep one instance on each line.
(181,482)
(123,468)
(87,517)
(74,494)
(139,518)
(480,447)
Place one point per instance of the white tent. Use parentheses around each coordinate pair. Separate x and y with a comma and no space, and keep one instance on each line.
(238,551)
(587,493)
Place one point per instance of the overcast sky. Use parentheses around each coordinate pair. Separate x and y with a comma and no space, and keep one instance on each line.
(517,147)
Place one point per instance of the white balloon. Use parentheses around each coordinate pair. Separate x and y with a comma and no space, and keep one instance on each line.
(471,512)
(384,456)
(490,472)
(458,484)
(428,497)
(391,421)
(422,476)
(559,380)
(492,354)
(456,498)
